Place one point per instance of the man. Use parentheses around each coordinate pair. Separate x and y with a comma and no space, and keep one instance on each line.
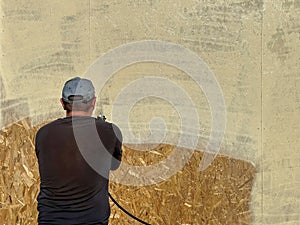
(75,155)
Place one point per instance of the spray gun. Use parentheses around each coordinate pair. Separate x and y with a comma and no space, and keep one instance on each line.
(101,117)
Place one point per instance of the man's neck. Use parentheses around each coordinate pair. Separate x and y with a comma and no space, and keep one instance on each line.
(78,113)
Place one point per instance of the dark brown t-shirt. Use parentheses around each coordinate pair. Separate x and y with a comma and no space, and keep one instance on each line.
(75,155)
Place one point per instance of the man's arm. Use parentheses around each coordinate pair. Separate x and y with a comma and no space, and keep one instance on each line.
(117,154)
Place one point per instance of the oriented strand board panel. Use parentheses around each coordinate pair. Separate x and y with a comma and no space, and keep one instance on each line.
(251,47)
(218,195)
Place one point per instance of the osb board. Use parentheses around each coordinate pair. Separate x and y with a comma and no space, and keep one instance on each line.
(219,195)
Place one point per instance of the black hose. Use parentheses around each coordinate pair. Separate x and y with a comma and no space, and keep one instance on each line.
(128,213)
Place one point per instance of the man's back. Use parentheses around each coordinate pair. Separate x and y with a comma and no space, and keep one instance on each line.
(71,191)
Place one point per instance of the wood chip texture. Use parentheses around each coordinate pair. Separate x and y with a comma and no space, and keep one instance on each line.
(219,195)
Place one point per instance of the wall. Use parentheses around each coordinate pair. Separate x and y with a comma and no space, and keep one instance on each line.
(251,47)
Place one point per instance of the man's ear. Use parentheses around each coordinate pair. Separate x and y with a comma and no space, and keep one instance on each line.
(93,102)
(62,103)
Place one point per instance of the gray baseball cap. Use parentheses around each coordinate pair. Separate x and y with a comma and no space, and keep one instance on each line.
(78,90)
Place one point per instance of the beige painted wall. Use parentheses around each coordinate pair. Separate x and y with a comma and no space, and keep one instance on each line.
(252,47)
